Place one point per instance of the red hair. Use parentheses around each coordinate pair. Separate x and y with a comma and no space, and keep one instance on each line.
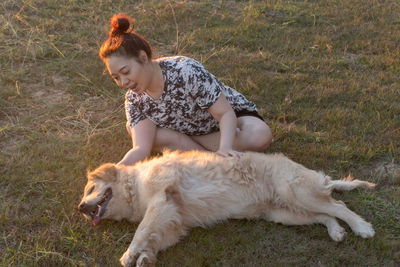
(123,40)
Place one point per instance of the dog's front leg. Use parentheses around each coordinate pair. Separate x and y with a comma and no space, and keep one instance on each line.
(160,228)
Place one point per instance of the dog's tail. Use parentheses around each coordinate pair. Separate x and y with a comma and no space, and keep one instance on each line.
(347,184)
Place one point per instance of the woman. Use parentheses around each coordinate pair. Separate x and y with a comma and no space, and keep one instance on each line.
(175,103)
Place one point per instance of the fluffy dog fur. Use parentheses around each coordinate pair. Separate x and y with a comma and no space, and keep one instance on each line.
(177,191)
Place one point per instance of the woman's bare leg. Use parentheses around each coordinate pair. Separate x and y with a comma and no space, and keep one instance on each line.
(252,135)
(169,139)
(163,139)
(172,140)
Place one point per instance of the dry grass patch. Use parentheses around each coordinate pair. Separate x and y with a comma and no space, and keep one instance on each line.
(324,74)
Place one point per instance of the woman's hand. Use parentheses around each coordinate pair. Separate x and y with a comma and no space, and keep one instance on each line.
(229,153)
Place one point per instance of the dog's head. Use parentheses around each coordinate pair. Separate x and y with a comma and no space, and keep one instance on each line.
(101,194)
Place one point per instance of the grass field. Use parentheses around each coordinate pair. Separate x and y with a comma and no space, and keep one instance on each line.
(325,75)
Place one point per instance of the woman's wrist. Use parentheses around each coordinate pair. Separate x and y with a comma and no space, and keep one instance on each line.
(227,125)
(134,155)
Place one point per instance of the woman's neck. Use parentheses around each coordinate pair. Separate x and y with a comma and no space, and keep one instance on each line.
(156,86)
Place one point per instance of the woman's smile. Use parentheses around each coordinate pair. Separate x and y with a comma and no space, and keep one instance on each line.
(133,86)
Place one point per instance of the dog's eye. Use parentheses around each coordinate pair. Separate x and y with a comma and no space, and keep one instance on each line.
(90,190)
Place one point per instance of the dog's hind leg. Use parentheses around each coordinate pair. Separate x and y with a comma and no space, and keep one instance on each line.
(285,216)
(334,208)
(335,231)
(160,228)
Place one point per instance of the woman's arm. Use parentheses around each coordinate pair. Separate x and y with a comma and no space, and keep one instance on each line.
(222,111)
(142,135)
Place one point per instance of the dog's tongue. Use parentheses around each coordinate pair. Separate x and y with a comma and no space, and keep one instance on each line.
(96,217)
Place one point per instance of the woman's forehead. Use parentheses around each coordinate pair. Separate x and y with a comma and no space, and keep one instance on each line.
(116,63)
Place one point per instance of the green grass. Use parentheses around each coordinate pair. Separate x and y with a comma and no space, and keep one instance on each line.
(325,76)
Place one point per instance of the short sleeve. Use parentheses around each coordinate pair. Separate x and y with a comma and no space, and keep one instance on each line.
(133,113)
(204,87)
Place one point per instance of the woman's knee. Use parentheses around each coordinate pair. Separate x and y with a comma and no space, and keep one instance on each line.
(163,139)
(255,134)
(260,138)
(265,136)
(168,139)
(172,140)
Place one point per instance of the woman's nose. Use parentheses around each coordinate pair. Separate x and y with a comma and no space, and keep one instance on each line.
(124,82)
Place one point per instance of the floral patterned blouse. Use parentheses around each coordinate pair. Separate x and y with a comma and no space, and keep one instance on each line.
(189,90)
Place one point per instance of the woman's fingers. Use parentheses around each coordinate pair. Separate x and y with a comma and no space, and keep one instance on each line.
(229,153)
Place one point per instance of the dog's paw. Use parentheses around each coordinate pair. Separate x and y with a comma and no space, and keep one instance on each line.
(337,234)
(128,258)
(364,229)
(143,261)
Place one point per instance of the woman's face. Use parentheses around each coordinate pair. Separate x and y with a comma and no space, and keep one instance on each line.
(128,73)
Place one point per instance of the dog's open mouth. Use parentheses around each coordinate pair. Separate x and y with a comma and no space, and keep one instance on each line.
(100,207)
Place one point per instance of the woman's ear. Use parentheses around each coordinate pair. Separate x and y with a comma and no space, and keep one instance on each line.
(143,57)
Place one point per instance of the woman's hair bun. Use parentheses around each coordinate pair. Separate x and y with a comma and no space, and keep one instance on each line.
(121,24)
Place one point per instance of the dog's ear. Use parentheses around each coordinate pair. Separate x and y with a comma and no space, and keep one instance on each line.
(106,172)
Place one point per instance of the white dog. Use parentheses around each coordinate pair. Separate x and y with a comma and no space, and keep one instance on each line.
(177,191)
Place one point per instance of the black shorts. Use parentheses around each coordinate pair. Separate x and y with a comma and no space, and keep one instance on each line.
(254,113)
